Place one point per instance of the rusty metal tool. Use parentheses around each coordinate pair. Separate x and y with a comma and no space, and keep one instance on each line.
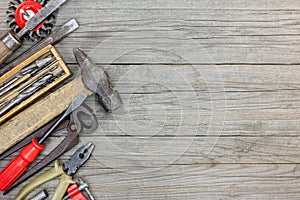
(66,171)
(17,166)
(19,11)
(75,125)
(10,42)
(52,39)
(96,80)
(92,80)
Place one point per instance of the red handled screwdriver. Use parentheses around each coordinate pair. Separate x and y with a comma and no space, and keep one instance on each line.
(28,154)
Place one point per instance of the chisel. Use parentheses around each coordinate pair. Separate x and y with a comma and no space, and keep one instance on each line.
(10,41)
(52,39)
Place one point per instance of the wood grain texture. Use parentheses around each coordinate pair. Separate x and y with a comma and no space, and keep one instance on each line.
(211,98)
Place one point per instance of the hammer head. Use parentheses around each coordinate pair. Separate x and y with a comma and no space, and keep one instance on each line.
(96,80)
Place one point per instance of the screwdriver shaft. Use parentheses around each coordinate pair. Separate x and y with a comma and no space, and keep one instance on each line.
(74,105)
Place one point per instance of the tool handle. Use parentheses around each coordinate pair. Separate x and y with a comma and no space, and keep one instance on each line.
(37,134)
(70,141)
(74,193)
(41,179)
(18,165)
(9,43)
(62,186)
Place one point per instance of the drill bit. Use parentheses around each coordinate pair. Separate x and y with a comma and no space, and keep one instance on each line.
(29,90)
(25,94)
(25,74)
(52,39)
(15,92)
(28,70)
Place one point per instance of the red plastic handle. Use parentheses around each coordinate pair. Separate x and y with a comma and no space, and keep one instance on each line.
(75,194)
(18,165)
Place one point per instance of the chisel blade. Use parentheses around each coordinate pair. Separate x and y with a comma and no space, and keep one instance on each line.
(65,30)
(52,39)
(41,16)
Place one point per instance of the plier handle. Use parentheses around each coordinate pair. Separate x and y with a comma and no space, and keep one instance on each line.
(74,126)
(65,171)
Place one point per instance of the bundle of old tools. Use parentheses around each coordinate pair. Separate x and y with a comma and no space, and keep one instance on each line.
(18,13)
(36,100)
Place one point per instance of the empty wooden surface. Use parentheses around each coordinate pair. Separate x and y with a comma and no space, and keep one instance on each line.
(211,98)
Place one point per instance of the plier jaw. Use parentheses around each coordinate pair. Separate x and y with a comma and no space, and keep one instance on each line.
(65,171)
(71,166)
(72,139)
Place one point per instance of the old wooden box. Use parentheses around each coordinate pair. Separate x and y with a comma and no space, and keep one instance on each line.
(31,87)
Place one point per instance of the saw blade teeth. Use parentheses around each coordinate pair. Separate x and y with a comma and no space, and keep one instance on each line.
(34,36)
(12,7)
(38,32)
(11,15)
(16,29)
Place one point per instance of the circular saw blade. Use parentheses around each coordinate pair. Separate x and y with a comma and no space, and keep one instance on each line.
(35,35)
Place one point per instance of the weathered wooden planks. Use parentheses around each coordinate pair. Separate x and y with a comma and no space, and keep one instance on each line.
(233,33)
(252,47)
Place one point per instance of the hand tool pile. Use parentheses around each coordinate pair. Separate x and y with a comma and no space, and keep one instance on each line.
(20,10)
(36,101)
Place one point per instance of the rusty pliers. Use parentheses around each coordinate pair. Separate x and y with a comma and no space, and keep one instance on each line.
(66,171)
(74,126)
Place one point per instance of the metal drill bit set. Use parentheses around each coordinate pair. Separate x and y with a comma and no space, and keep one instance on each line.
(33,78)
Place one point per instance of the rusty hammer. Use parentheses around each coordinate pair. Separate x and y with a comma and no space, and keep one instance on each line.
(96,80)
(93,79)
